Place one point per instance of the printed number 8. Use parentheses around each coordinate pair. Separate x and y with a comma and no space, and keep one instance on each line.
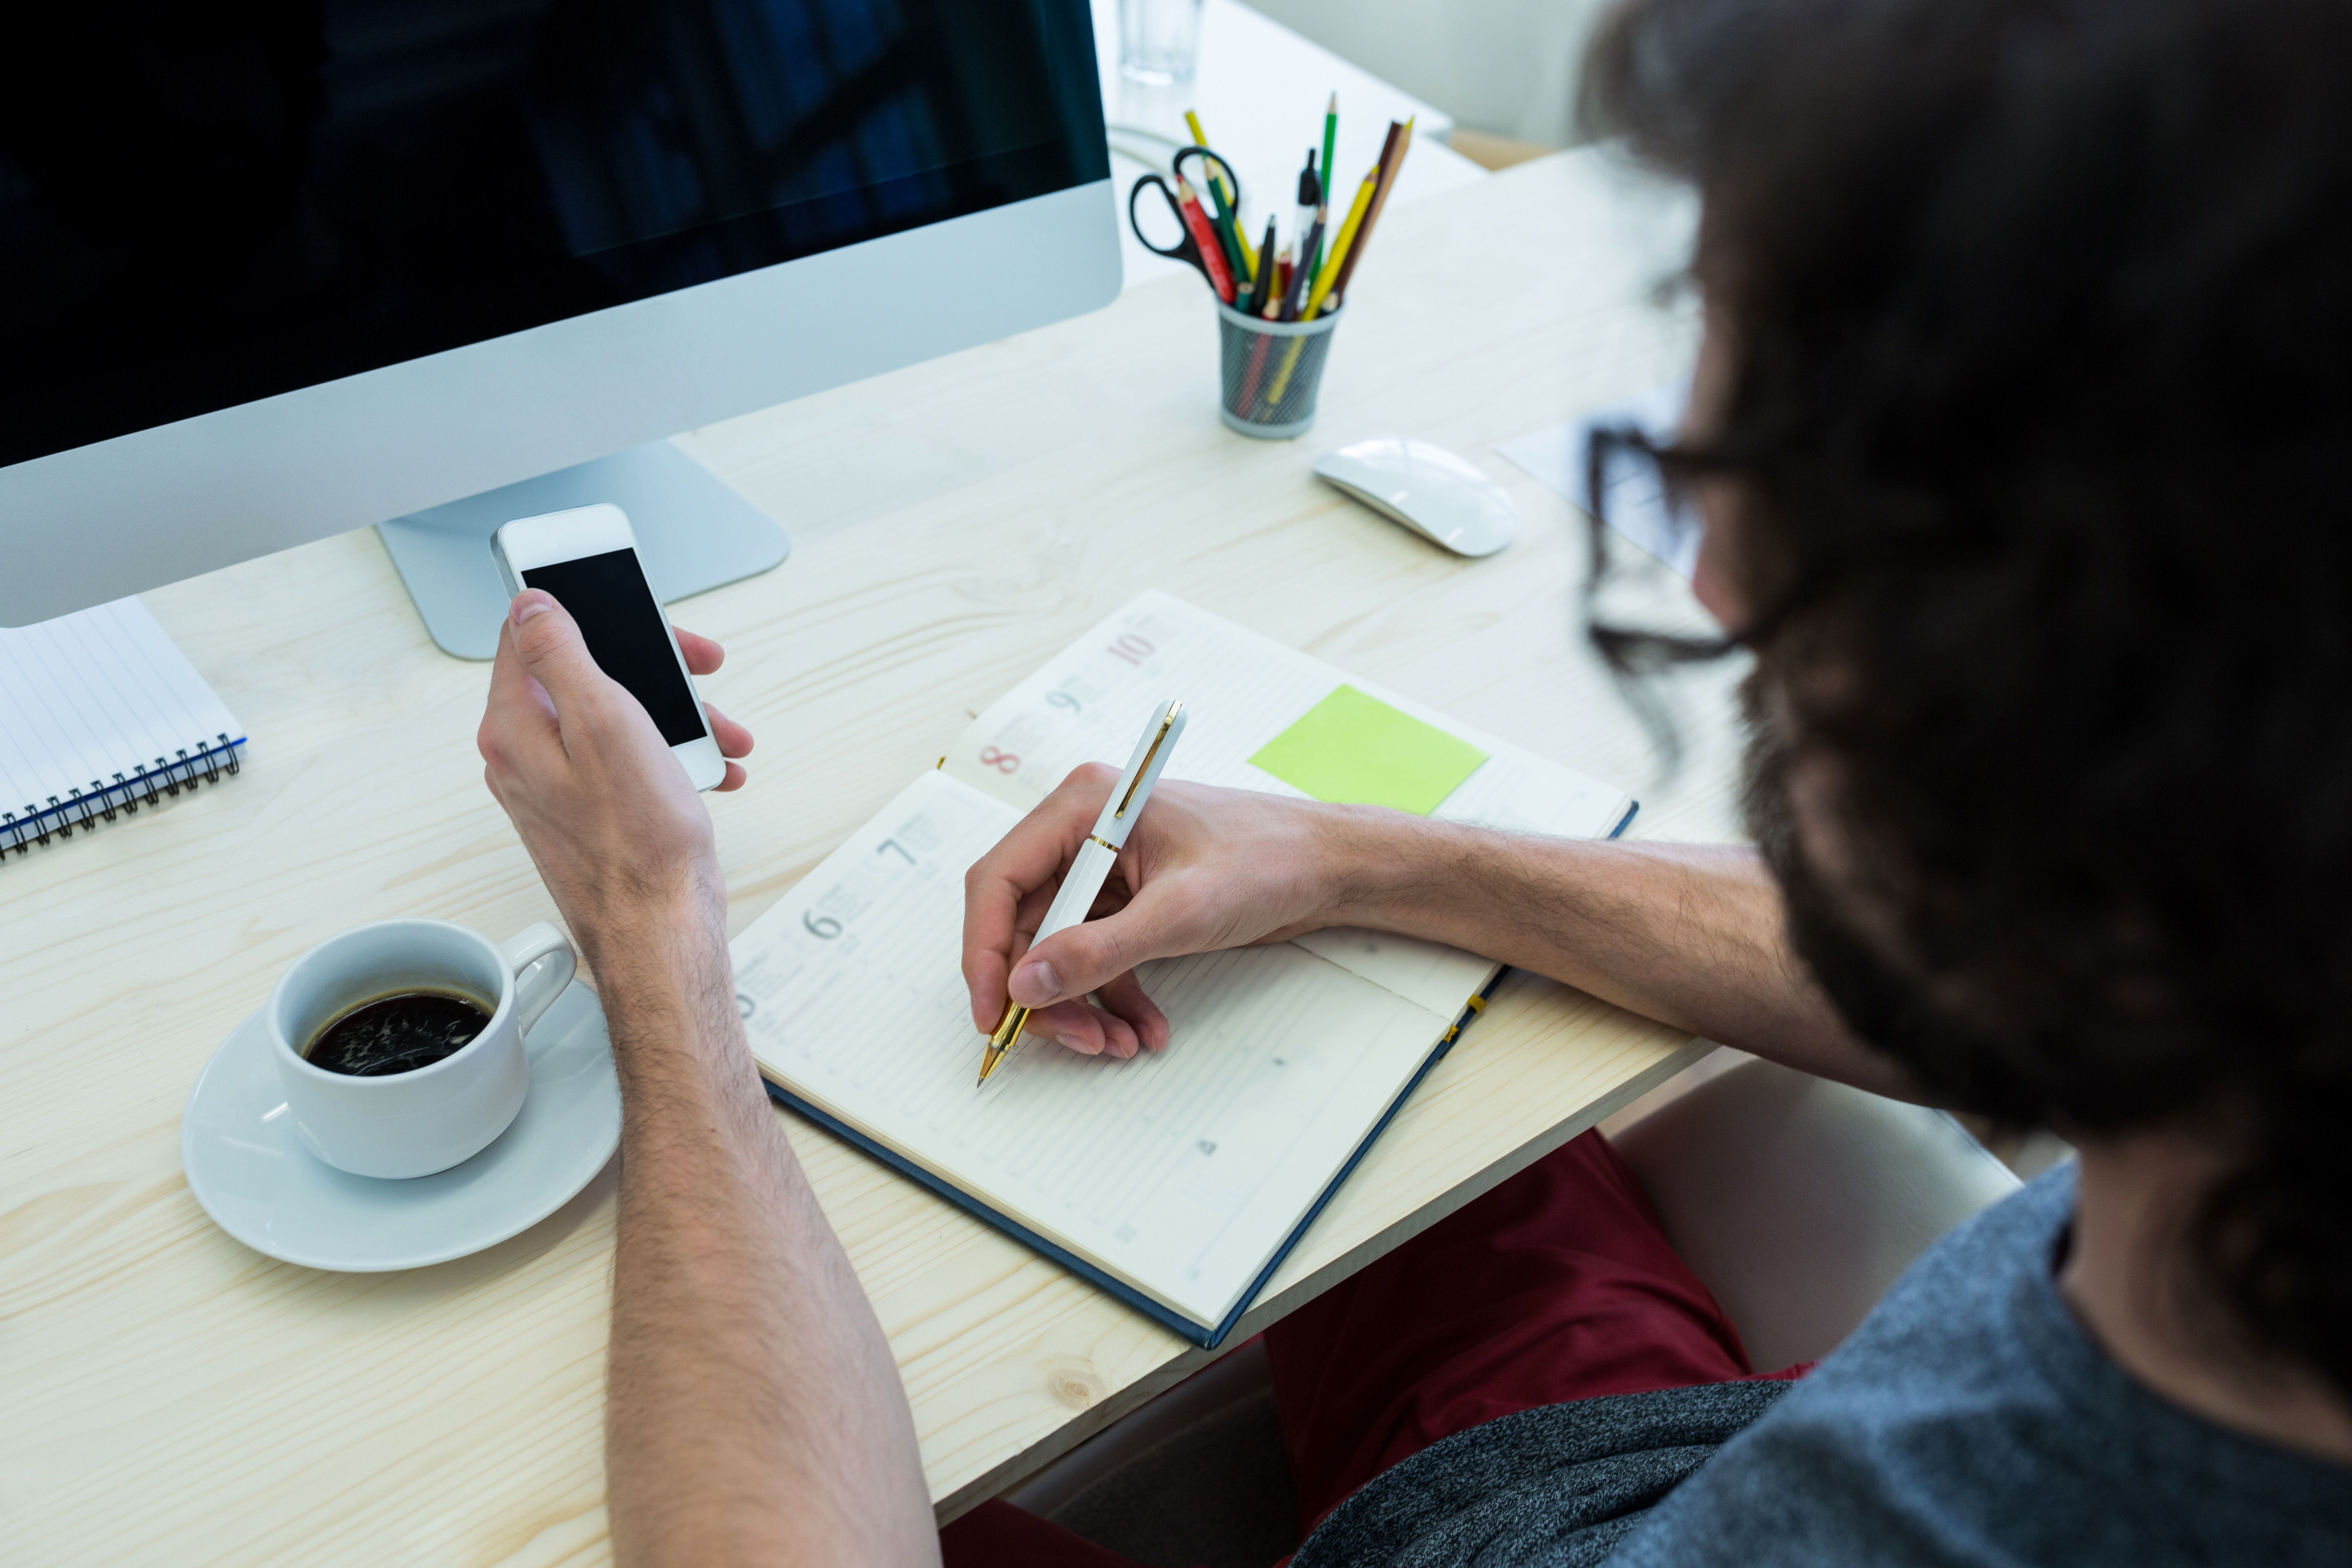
(1003,761)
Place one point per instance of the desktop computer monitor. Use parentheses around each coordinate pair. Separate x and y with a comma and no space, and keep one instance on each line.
(273,269)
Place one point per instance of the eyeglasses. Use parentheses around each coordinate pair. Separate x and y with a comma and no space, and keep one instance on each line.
(1626,488)
(1642,621)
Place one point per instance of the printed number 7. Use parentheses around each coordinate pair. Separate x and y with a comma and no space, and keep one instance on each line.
(892,847)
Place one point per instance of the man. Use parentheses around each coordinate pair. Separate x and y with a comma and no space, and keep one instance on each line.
(2021,432)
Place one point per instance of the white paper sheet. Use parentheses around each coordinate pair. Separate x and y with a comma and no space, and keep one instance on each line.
(1636,506)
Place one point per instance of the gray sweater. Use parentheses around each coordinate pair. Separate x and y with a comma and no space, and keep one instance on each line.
(1968,1420)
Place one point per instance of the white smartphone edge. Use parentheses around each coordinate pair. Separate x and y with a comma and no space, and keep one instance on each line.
(550,537)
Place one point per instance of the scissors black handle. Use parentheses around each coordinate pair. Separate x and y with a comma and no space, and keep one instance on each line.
(1185,250)
(1218,169)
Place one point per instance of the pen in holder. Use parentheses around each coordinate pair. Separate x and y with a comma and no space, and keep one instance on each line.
(1271,371)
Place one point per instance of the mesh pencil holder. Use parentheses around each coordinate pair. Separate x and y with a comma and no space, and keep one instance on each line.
(1271,371)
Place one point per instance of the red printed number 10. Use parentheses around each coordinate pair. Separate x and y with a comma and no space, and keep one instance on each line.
(1130,647)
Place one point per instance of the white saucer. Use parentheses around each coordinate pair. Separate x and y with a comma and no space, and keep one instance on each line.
(254,1178)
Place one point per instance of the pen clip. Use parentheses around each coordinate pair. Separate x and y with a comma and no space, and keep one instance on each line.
(1167,721)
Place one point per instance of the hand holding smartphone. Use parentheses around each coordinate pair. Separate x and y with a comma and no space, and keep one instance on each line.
(587,558)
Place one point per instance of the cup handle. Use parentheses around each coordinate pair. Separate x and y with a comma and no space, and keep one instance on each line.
(542,961)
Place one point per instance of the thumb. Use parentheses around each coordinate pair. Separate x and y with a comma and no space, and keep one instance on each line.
(1088,956)
(548,641)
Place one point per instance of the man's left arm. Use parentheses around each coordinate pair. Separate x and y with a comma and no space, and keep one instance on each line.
(754,1411)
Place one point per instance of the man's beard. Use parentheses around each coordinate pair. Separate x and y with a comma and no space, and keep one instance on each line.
(1885,1007)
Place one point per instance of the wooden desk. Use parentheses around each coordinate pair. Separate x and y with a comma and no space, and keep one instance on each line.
(171,1397)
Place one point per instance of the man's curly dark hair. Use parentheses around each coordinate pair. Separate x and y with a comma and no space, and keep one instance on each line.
(2041,420)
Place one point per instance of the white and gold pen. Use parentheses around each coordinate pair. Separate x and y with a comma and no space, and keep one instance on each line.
(1096,856)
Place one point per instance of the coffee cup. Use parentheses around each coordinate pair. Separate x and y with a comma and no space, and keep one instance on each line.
(414,1122)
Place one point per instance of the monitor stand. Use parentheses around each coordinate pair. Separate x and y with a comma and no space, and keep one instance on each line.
(693,533)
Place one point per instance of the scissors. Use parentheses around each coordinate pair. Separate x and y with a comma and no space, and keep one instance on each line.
(1219,271)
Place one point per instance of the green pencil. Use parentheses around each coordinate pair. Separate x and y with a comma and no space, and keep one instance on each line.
(1331,135)
(1223,218)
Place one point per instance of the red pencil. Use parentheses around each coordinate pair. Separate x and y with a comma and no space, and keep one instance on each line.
(1204,237)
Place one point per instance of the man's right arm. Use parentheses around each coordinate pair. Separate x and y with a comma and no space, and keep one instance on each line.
(1692,935)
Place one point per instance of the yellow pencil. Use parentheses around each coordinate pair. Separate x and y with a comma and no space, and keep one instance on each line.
(1339,251)
(1225,189)
(1379,203)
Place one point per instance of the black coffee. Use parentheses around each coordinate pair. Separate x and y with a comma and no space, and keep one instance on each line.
(398,1034)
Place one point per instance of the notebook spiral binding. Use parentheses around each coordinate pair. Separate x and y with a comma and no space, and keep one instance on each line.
(206,762)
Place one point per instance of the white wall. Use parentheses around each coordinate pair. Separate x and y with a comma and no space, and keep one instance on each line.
(1508,67)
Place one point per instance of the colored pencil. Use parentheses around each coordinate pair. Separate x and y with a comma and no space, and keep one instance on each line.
(1224,190)
(1330,273)
(1263,284)
(1275,268)
(1400,140)
(1204,237)
(1331,138)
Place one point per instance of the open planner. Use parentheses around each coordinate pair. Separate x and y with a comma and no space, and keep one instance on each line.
(1179,1179)
(101,713)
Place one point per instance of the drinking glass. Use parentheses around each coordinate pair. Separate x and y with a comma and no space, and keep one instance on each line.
(1158,41)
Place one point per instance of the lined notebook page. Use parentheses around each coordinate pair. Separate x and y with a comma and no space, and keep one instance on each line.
(1091,702)
(1178,1172)
(94,694)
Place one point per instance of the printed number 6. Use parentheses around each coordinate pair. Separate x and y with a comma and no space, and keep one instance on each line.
(1003,761)
(824,926)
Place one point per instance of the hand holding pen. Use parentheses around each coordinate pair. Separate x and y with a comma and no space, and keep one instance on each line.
(1204,869)
(1089,868)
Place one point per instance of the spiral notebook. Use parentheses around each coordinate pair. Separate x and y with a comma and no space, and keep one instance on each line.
(101,714)
(1181,1179)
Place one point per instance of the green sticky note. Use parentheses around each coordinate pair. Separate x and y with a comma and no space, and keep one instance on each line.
(1354,750)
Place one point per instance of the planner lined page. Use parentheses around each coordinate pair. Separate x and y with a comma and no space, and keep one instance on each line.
(1180,1171)
(96,694)
(1241,689)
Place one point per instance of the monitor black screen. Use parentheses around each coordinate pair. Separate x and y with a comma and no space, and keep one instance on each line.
(203,204)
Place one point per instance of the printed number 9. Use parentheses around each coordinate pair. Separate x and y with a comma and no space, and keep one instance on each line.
(824,926)
(1003,761)
(1063,700)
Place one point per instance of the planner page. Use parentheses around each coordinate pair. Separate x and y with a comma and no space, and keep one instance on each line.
(1243,694)
(1180,1171)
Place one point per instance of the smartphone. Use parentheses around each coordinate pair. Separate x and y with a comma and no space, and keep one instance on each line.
(587,557)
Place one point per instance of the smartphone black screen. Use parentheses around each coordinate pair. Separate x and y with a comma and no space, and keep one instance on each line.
(625,634)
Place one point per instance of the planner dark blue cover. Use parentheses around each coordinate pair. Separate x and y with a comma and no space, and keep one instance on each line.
(1205,1336)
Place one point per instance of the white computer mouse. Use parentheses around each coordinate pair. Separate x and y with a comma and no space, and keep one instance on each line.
(1427,489)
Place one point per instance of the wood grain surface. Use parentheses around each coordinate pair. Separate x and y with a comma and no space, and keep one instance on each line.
(171,1397)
